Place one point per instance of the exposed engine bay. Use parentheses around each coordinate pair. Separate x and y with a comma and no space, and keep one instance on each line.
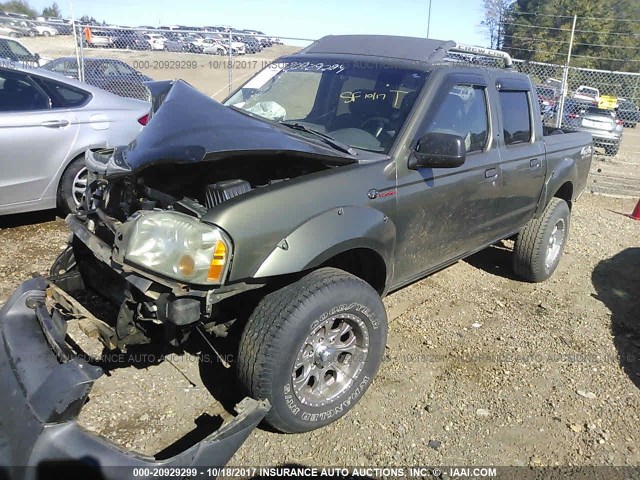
(194,188)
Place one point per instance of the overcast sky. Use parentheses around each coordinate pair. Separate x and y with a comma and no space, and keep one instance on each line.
(450,19)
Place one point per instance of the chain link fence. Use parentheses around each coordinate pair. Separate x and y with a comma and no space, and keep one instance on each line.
(217,60)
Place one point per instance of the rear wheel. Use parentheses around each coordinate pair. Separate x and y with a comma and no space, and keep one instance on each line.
(540,245)
(72,186)
(312,349)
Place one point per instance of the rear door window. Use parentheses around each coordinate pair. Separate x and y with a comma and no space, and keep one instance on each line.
(516,117)
(62,95)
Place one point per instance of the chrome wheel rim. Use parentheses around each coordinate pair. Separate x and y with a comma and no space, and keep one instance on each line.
(79,186)
(330,359)
(556,241)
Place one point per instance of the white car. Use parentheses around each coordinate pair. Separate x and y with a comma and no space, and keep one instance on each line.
(19,55)
(237,48)
(212,46)
(156,41)
(44,30)
(590,94)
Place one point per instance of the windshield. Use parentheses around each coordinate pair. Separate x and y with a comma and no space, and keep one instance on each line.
(9,47)
(363,105)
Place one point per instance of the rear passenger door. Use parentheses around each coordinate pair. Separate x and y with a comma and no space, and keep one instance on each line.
(522,154)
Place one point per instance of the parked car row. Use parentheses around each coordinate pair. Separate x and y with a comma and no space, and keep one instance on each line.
(14,27)
(173,40)
(585,98)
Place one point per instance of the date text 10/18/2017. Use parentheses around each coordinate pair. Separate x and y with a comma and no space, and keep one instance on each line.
(302,471)
(221,64)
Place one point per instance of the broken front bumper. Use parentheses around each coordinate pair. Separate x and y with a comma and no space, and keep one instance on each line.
(43,386)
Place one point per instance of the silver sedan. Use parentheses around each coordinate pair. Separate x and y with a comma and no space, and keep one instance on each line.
(47,122)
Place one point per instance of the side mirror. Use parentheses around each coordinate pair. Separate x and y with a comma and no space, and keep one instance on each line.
(438,150)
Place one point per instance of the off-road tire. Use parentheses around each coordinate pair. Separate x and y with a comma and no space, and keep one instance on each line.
(280,327)
(532,243)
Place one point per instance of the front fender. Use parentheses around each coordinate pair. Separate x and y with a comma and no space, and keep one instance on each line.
(328,234)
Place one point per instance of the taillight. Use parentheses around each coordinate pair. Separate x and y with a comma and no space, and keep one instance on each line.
(619,122)
(573,115)
(144,119)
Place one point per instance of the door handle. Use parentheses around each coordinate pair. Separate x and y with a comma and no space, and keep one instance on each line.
(491,173)
(534,163)
(55,123)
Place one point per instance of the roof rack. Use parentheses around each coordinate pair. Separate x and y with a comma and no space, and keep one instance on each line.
(486,52)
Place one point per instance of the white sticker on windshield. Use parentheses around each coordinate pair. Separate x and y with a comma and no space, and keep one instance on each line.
(270,110)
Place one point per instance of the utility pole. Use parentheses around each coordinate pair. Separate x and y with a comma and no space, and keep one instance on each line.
(565,74)
(429,20)
(79,52)
(499,28)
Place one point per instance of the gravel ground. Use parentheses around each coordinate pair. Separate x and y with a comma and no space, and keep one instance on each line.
(480,368)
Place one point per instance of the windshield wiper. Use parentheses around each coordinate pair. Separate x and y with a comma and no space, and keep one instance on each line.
(328,139)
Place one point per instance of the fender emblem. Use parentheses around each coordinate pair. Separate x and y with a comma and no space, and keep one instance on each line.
(373,194)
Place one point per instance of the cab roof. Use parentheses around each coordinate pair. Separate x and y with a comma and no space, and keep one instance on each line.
(389,46)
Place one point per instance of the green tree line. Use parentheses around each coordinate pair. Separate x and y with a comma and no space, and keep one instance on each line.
(607,34)
(23,7)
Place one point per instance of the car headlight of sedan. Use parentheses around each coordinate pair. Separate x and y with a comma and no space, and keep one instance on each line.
(178,246)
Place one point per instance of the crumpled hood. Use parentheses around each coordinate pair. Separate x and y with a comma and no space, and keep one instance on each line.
(190,127)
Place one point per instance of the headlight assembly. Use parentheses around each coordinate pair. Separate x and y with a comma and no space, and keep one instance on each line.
(178,246)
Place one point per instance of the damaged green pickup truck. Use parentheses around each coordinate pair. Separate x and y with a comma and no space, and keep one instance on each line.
(333,177)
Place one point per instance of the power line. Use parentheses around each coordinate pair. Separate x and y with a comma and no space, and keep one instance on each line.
(533,50)
(571,16)
(535,39)
(568,29)
(565,41)
(606,46)
(536,26)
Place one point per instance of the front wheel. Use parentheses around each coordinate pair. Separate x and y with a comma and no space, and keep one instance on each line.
(539,246)
(312,349)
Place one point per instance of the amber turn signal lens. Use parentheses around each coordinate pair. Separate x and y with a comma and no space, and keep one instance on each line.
(217,262)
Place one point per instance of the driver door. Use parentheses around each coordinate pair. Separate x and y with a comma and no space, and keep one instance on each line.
(445,213)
